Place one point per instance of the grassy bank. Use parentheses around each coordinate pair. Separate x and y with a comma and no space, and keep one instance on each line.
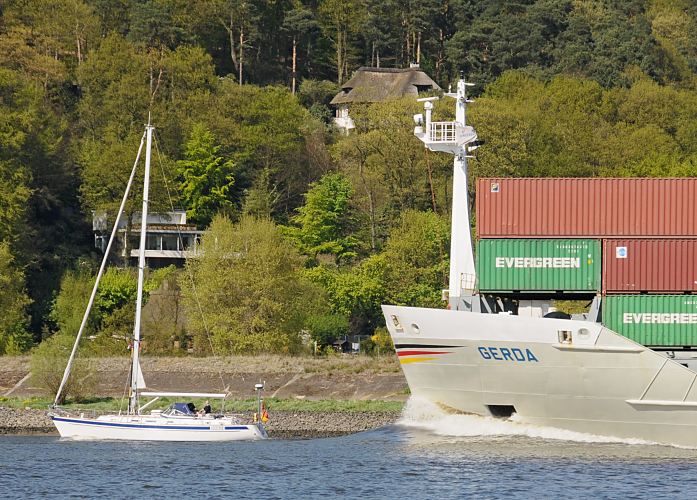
(113,404)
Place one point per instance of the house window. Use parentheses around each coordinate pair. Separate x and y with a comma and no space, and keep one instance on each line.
(169,242)
(152,242)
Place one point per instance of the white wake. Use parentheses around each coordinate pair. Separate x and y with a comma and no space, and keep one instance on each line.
(423,414)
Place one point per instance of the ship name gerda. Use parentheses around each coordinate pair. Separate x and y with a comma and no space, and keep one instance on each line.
(515,354)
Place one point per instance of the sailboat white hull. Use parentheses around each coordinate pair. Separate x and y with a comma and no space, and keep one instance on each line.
(573,375)
(154,428)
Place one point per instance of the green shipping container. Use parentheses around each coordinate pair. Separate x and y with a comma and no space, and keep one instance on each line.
(567,265)
(653,320)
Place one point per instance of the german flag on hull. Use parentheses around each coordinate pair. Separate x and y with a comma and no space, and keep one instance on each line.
(416,353)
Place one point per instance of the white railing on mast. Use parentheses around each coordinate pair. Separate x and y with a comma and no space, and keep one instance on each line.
(443,132)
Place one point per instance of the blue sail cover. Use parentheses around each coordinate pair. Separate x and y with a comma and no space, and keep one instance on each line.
(184,408)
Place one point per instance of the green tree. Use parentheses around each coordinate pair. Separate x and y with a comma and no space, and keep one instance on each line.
(110,324)
(154,24)
(327,328)
(263,129)
(389,167)
(48,362)
(70,304)
(316,95)
(355,293)
(39,215)
(48,39)
(117,94)
(325,220)
(300,24)
(412,270)
(14,194)
(239,19)
(416,260)
(340,20)
(262,198)
(245,292)
(205,179)
(14,337)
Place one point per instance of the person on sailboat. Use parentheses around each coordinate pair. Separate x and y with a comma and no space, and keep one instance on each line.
(206,410)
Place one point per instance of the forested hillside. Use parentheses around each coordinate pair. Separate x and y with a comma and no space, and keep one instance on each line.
(323,226)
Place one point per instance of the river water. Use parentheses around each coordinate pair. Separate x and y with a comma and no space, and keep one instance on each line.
(426,455)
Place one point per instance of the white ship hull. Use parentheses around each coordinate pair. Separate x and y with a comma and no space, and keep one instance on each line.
(155,428)
(567,374)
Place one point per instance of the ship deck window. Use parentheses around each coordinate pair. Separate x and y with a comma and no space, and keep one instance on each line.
(564,336)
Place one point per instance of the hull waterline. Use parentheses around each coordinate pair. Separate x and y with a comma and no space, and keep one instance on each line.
(572,375)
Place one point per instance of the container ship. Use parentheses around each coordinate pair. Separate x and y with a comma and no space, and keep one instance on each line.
(625,367)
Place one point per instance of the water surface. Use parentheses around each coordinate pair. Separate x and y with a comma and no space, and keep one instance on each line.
(425,456)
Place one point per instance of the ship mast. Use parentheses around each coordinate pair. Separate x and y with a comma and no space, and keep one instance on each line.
(456,138)
(136,376)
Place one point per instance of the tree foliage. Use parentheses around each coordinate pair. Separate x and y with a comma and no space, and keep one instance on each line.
(564,88)
(205,178)
(245,292)
(48,363)
(325,220)
(110,323)
(14,337)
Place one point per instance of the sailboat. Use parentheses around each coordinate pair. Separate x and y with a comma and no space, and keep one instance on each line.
(576,374)
(179,422)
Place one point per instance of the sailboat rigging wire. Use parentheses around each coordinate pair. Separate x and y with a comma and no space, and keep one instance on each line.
(69,366)
(188,270)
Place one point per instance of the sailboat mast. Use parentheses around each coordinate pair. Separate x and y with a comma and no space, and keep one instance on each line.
(90,303)
(135,368)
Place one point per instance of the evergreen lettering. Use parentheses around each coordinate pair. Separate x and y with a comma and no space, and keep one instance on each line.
(539,262)
(659,318)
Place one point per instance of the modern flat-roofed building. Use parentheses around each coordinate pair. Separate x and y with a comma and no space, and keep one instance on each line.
(170,239)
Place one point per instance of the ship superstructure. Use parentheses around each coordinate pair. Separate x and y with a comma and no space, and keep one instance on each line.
(501,348)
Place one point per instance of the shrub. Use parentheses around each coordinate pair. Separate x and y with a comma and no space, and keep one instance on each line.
(327,328)
(48,362)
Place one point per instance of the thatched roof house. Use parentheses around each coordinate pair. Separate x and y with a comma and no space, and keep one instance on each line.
(379,84)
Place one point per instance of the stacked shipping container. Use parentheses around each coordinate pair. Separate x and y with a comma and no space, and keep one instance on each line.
(649,266)
(653,320)
(534,234)
(587,208)
(553,265)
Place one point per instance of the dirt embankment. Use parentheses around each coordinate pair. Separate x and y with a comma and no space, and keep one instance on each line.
(342,377)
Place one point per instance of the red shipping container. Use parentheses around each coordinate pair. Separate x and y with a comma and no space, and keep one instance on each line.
(655,266)
(586,208)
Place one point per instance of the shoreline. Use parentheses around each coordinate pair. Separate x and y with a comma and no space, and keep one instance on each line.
(282,424)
